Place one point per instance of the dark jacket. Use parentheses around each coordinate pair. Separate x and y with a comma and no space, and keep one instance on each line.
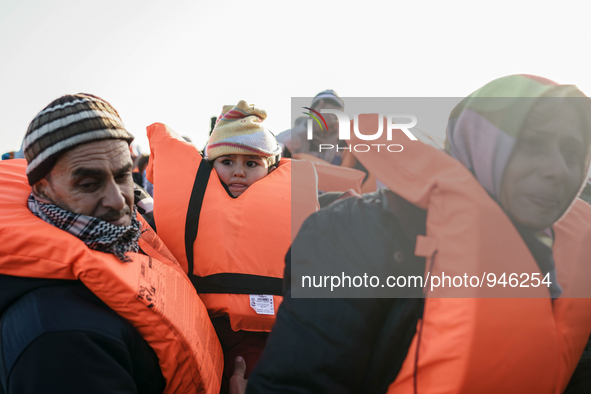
(56,336)
(346,345)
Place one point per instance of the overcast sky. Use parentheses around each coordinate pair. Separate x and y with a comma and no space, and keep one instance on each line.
(179,62)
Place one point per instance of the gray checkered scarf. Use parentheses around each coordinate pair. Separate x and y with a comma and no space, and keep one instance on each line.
(95,233)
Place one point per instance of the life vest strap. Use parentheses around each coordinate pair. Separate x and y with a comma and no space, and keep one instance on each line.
(194,209)
(232,283)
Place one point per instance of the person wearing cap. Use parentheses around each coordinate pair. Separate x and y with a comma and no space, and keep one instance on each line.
(56,336)
(241,149)
(226,215)
(295,140)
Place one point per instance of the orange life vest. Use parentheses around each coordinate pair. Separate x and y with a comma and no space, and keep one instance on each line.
(370,184)
(333,178)
(529,344)
(152,292)
(232,248)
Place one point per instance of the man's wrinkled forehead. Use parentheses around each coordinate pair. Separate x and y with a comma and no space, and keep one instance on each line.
(82,172)
(108,156)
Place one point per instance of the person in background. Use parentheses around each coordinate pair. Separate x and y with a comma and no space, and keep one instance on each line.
(139,174)
(295,140)
(14,155)
(141,162)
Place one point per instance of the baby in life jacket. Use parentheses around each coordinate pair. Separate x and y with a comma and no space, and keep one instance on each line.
(241,149)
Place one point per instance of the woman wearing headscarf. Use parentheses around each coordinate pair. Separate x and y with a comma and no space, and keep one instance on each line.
(502,199)
(526,140)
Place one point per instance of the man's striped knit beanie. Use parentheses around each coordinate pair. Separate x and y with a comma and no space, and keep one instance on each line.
(64,124)
(239,131)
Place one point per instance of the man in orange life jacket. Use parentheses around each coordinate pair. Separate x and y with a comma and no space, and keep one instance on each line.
(56,336)
(531,158)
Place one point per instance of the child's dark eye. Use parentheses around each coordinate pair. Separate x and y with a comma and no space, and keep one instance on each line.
(252,164)
(226,162)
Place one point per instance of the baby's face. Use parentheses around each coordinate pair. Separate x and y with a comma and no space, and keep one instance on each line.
(238,172)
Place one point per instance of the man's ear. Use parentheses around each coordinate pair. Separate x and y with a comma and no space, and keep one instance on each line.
(40,190)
